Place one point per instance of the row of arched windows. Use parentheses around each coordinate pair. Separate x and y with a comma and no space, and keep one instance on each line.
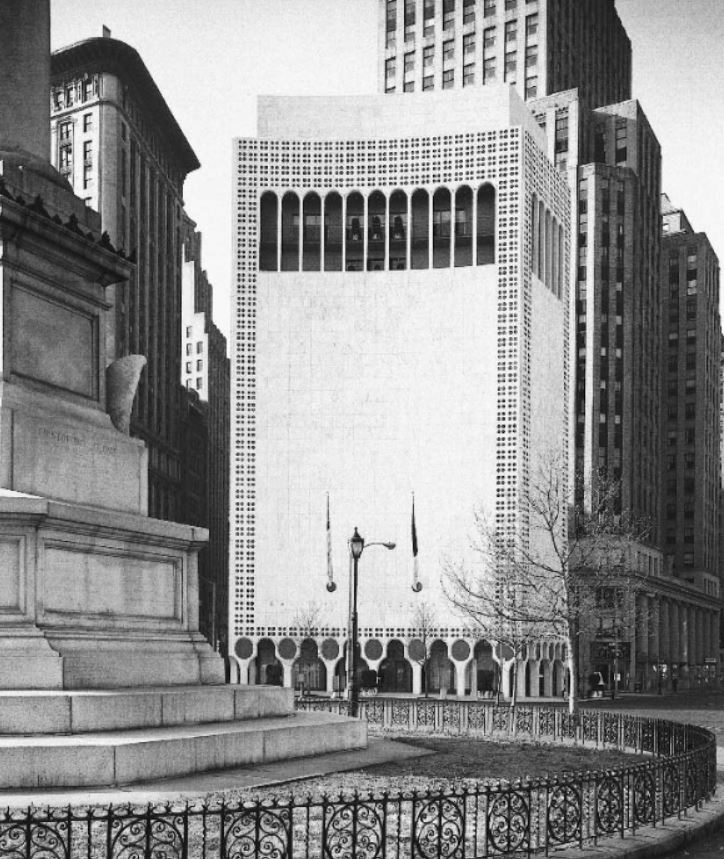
(547,248)
(377,232)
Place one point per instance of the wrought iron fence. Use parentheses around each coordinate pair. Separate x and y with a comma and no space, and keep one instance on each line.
(506,819)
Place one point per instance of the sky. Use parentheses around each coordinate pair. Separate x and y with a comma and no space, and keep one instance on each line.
(211,58)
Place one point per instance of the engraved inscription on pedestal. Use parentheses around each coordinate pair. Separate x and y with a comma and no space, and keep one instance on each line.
(72,463)
(110,581)
(54,343)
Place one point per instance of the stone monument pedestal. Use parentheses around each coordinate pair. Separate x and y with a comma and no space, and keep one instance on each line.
(116,599)
(104,676)
(93,592)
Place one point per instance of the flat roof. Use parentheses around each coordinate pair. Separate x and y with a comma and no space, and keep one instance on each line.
(392,115)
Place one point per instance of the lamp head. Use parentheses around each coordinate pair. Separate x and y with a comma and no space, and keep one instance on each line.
(389,545)
(356,544)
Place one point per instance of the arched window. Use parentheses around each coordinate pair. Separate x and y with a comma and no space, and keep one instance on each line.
(554,266)
(333,232)
(486,225)
(441,228)
(309,671)
(268,214)
(420,239)
(312,233)
(354,237)
(269,669)
(534,235)
(548,250)
(376,205)
(540,262)
(561,264)
(398,230)
(290,232)
(395,672)
(440,670)
(463,226)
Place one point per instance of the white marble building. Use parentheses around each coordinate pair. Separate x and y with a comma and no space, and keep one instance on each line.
(417,343)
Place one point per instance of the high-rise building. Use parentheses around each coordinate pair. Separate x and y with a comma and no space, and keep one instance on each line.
(116,141)
(400,326)
(206,373)
(538,46)
(691,368)
(572,62)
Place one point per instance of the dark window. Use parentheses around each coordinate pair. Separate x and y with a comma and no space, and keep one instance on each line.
(621,139)
(511,62)
(561,139)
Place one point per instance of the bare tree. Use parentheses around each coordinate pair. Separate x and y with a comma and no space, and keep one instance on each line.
(550,584)
(425,622)
(308,619)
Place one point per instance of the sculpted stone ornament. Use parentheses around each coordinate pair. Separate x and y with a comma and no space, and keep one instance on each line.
(122,377)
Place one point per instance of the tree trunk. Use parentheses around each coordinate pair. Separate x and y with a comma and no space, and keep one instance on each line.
(572,650)
(514,690)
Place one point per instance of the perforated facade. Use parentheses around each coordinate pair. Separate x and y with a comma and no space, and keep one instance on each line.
(401,326)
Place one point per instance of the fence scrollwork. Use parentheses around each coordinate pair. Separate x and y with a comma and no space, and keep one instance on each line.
(677,772)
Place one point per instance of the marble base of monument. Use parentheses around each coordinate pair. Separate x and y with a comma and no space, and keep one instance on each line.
(116,737)
(94,598)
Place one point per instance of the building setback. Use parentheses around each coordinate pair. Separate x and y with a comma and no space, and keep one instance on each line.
(116,141)
(400,326)
(538,46)
(691,368)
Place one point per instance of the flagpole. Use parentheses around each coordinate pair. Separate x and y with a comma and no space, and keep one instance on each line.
(416,583)
(331,586)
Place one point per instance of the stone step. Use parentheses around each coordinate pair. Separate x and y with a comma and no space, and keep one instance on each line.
(81,711)
(113,758)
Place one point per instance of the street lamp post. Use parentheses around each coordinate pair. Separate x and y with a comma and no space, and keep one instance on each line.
(356,547)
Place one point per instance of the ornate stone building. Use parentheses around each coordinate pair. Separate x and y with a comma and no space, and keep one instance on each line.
(116,141)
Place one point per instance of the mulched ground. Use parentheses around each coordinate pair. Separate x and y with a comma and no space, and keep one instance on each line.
(453,761)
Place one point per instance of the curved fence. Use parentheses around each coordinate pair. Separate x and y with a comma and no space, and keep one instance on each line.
(508,819)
